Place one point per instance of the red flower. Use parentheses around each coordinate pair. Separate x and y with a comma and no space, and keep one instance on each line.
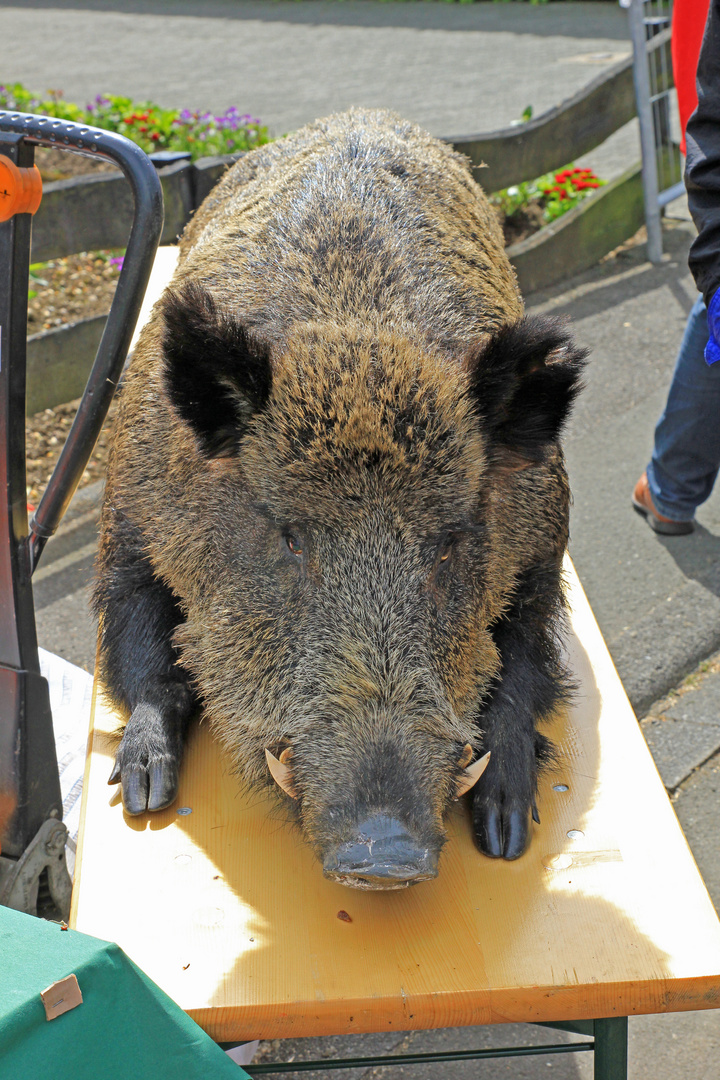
(155,136)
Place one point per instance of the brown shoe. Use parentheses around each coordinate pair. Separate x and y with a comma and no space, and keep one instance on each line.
(642,501)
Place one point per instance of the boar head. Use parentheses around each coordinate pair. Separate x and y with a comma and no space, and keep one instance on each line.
(344,555)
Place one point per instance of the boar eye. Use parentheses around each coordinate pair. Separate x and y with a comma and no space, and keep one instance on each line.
(294,544)
(446,548)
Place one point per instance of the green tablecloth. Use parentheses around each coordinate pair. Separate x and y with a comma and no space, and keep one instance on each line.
(125,1029)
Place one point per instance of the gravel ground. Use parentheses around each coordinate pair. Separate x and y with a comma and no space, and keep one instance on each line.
(60,165)
(45,435)
(73,288)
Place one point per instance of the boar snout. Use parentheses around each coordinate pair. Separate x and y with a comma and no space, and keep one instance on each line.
(383,855)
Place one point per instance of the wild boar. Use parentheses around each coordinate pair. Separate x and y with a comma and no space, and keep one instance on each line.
(336,505)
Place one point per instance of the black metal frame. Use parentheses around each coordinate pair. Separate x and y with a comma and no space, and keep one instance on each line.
(609,1042)
(28,764)
(440,1057)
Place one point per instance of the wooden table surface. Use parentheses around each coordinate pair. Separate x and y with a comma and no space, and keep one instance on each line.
(227,909)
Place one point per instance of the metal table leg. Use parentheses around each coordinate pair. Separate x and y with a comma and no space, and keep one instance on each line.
(611,1048)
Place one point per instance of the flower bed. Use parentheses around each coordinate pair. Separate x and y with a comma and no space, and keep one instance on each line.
(201,133)
(525,208)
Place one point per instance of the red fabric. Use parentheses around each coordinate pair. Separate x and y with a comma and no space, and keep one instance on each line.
(688,26)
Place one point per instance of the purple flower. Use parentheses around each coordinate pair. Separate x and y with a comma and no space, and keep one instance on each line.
(117,261)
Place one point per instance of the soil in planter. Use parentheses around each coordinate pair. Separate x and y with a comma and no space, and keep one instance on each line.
(63,165)
(45,435)
(523,223)
(79,286)
(67,290)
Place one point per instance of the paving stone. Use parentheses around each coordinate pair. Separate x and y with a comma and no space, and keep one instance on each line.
(61,586)
(665,640)
(331,1047)
(675,1046)
(700,705)
(697,805)
(679,745)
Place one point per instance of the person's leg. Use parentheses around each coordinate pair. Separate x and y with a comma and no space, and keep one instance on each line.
(686,454)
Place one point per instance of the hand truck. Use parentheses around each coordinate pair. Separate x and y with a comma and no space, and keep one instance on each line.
(33,872)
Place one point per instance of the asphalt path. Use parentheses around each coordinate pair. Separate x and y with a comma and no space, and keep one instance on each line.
(455,69)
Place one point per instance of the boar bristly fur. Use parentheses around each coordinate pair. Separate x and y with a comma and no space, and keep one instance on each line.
(336,505)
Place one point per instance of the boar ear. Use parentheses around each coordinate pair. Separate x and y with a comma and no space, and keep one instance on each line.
(524,381)
(217,377)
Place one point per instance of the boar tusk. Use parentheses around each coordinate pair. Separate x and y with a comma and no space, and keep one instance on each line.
(281,771)
(471,775)
(466,756)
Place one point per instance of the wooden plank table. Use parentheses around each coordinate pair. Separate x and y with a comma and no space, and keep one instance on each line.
(219,901)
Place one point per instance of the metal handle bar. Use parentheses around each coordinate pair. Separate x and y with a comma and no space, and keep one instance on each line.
(112,350)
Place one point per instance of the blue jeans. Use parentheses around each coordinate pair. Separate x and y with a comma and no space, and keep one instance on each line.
(686,454)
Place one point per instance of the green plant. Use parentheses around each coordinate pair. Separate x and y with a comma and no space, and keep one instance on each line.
(149,125)
(566,189)
(35,279)
(555,193)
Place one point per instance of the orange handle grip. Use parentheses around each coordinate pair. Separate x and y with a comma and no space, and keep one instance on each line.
(20,189)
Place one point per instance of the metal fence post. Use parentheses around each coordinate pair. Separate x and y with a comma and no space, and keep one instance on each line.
(650,22)
(641,77)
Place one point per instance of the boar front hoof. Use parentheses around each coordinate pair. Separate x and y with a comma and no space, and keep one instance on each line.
(382,856)
(501,832)
(147,764)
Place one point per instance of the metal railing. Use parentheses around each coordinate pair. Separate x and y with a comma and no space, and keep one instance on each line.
(650,22)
